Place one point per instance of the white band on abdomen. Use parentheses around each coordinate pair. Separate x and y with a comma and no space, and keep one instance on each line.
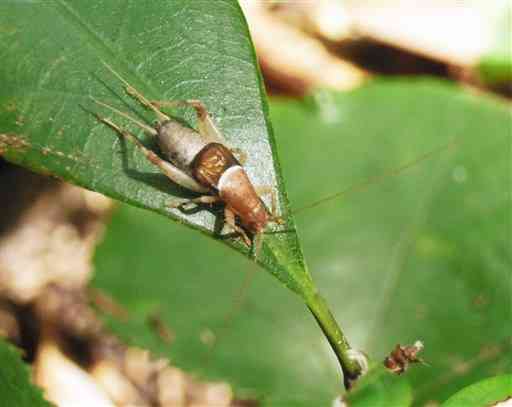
(225,177)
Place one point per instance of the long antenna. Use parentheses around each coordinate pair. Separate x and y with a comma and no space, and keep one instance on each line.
(238,302)
(242,289)
(137,95)
(376,179)
(149,129)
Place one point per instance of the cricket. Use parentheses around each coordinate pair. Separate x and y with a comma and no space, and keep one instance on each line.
(203,162)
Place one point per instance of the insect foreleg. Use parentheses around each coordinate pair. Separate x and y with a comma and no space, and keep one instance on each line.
(229,217)
(268,190)
(173,173)
(206,126)
(258,242)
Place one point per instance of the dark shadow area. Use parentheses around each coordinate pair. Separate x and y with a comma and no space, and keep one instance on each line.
(20,188)
(30,331)
(157,181)
(383,59)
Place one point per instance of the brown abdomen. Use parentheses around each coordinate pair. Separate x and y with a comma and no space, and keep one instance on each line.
(210,163)
(236,190)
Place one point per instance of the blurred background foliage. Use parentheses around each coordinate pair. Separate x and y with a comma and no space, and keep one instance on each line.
(357,89)
(423,255)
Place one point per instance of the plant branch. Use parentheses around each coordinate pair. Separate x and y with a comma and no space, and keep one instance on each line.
(349,365)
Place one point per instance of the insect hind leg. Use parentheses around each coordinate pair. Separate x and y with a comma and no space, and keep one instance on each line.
(172,172)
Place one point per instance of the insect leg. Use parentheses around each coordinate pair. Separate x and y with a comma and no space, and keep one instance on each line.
(229,217)
(184,203)
(173,173)
(258,242)
(206,126)
(265,190)
(241,155)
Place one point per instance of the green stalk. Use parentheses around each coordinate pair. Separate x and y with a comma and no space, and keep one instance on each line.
(339,344)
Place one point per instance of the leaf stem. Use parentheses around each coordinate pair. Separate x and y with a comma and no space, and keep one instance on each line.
(339,343)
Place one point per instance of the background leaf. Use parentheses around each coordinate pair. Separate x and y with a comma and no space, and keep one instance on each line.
(484,393)
(421,256)
(380,388)
(424,255)
(495,67)
(53,53)
(17,390)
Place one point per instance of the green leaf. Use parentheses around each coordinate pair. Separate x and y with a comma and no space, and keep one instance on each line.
(52,55)
(155,267)
(17,389)
(484,393)
(423,255)
(380,388)
(495,67)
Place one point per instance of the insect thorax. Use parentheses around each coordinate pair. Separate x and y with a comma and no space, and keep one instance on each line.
(210,163)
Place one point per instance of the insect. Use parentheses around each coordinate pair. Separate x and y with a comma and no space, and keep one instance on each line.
(401,357)
(203,162)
